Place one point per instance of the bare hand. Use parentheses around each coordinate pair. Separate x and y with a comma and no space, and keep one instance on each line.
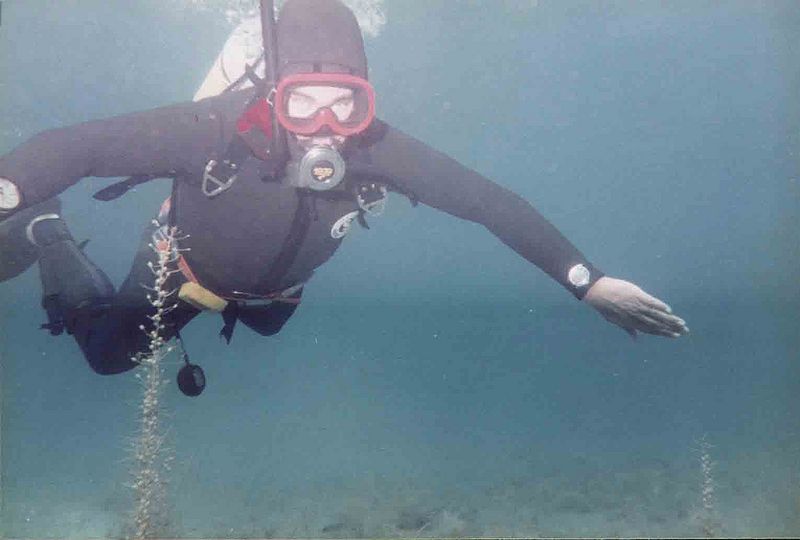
(629,307)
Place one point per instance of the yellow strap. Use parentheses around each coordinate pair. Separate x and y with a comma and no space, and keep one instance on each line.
(198,296)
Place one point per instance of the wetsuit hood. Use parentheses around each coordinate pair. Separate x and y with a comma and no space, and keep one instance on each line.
(319,36)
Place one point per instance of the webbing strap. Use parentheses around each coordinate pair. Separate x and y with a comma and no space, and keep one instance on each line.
(291,244)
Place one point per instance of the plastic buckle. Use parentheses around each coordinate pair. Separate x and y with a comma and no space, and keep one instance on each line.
(371,198)
(271,97)
(218,177)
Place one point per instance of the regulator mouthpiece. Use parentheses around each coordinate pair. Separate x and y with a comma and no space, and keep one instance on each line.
(320,169)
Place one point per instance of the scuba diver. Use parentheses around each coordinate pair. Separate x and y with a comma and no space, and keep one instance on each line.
(267,181)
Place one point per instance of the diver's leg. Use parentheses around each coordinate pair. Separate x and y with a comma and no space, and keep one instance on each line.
(77,295)
(268,320)
(111,341)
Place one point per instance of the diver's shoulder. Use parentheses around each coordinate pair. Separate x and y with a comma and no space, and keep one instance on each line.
(220,104)
(382,134)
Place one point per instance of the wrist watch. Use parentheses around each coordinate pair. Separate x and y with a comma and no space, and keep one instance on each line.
(9,195)
(579,276)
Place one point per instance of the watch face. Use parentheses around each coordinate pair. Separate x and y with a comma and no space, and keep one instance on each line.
(579,275)
(9,195)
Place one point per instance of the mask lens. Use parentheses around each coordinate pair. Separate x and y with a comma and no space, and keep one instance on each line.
(299,106)
(306,102)
(343,108)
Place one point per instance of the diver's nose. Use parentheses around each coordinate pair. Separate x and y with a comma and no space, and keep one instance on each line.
(322,141)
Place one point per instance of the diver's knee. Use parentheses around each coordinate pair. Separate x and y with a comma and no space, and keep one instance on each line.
(267,323)
(267,330)
(263,327)
(110,363)
(108,342)
(109,369)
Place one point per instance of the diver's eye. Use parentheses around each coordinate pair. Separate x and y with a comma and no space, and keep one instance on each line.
(343,108)
(300,106)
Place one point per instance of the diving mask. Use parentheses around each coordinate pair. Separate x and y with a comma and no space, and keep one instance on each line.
(307,103)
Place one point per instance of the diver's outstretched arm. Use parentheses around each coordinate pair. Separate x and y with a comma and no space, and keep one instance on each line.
(161,141)
(441,182)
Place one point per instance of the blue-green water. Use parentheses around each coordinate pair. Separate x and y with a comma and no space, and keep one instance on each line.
(433,383)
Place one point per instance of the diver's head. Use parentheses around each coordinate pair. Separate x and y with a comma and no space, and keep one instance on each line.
(323,96)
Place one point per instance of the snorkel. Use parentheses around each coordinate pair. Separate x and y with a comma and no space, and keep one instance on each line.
(277,144)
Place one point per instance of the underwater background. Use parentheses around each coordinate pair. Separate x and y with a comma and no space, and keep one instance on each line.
(433,383)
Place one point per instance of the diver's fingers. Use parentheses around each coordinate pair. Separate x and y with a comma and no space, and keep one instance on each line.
(674,323)
(652,326)
(655,303)
(655,308)
(631,332)
(655,330)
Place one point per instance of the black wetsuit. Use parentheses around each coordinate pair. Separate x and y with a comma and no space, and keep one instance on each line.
(236,237)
